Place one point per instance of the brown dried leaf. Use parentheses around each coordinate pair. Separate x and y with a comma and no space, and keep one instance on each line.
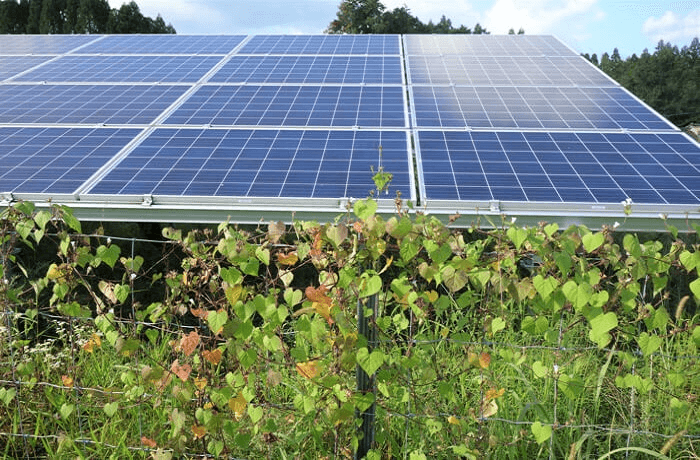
(200,382)
(289,258)
(183,372)
(199,431)
(238,405)
(200,313)
(67,381)
(213,356)
(275,231)
(148,442)
(189,342)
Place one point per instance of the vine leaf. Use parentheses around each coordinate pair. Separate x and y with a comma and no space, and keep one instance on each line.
(238,405)
(308,369)
(369,362)
(542,432)
(216,320)
(213,356)
(648,343)
(189,342)
(592,241)
(600,326)
(364,208)
(182,371)
(110,409)
(148,442)
(199,431)
(108,255)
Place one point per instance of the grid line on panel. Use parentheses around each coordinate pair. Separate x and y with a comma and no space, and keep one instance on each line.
(290,105)
(258,163)
(120,68)
(551,108)
(43,44)
(85,104)
(576,167)
(308,69)
(55,160)
(13,65)
(164,44)
(322,44)
(486,45)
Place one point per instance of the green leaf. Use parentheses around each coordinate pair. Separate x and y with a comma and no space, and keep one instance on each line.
(263,255)
(369,362)
(255,413)
(121,292)
(216,320)
(542,432)
(74,309)
(550,229)
(42,218)
(545,286)
(690,260)
(631,244)
(215,447)
(577,294)
(497,324)
(370,285)
(108,255)
(399,228)
(110,409)
(695,288)
(337,234)
(292,296)
(7,395)
(592,241)
(539,369)
(66,410)
(231,276)
(363,209)
(571,386)
(517,235)
(453,279)
(696,336)
(600,326)
(648,343)
(24,228)
(441,254)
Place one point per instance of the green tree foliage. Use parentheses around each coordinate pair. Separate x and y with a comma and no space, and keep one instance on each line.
(372,17)
(668,80)
(76,16)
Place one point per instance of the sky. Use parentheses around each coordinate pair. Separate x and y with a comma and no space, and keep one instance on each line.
(587,26)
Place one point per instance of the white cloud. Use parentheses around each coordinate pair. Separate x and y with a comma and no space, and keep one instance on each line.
(178,11)
(539,16)
(673,28)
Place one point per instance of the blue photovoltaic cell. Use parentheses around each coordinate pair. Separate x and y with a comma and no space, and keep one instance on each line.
(260,163)
(311,70)
(71,104)
(164,44)
(505,70)
(532,107)
(560,167)
(55,160)
(12,65)
(250,105)
(165,69)
(42,44)
(322,44)
(486,45)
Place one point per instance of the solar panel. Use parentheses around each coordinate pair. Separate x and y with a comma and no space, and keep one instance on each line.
(201,128)
(311,70)
(12,65)
(485,45)
(131,69)
(302,106)
(500,107)
(592,168)
(85,104)
(505,70)
(43,44)
(322,44)
(260,163)
(55,160)
(164,44)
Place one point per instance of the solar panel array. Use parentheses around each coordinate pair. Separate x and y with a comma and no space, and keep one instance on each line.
(129,126)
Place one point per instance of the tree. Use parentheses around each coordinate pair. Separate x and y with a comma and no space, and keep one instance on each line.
(370,16)
(75,16)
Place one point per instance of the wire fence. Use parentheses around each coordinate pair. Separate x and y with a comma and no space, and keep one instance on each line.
(443,407)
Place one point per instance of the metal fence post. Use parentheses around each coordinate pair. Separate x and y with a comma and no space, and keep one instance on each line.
(366,383)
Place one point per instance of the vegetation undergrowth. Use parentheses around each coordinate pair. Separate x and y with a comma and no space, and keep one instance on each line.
(243,342)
